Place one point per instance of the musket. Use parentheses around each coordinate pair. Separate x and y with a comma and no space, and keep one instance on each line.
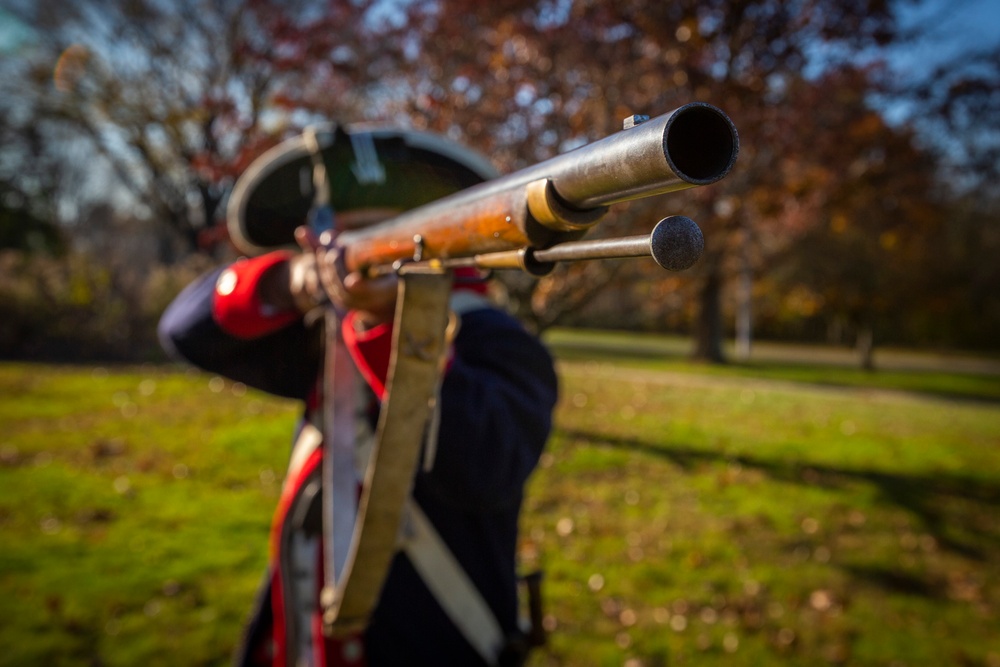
(530,220)
(534,217)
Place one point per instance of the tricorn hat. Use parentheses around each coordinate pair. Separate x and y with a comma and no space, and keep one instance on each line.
(367,167)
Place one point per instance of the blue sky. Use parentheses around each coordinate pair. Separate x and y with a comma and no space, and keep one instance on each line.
(958,25)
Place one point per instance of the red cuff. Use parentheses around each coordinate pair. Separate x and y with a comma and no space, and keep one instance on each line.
(370,350)
(237,307)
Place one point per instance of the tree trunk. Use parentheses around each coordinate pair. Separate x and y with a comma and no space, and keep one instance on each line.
(866,347)
(708,327)
(744,314)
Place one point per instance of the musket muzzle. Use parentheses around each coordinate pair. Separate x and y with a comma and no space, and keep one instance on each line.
(694,145)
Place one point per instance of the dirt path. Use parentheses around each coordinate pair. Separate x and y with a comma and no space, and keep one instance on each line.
(889,359)
(607,371)
(885,359)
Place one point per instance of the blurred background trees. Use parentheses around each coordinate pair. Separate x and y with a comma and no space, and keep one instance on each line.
(862,209)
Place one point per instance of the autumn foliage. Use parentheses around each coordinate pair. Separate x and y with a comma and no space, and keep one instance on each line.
(834,224)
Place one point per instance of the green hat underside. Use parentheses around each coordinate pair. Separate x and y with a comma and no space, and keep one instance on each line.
(366,168)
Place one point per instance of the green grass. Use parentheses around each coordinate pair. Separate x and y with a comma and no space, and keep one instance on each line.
(134,509)
(692,519)
(769,512)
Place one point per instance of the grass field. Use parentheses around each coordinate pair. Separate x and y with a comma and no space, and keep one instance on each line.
(777,512)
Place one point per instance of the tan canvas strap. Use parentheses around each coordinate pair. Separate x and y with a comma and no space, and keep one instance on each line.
(415,365)
(450,585)
(459,303)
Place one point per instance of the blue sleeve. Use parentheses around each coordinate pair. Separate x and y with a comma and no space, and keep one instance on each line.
(497,402)
(283,363)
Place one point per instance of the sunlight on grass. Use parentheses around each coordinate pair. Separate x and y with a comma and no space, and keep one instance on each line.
(737,516)
(704,519)
(134,527)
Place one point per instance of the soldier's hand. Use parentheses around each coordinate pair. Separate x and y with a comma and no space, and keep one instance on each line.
(304,284)
(374,299)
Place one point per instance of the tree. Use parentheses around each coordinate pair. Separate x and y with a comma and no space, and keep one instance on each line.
(172,99)
(27,217)
(179,109)
(876,205)
(21,228)
(962,276)
(954,106)
(524,79)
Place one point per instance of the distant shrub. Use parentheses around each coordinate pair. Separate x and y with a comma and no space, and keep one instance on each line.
(79,307)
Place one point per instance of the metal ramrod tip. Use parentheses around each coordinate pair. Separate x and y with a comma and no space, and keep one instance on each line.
(676,242)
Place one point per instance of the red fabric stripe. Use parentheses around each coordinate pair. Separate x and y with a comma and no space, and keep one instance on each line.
(278,609)
(470,278)
(288,491)
(370,350)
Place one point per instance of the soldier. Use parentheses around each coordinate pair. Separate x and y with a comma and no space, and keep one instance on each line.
(254,322)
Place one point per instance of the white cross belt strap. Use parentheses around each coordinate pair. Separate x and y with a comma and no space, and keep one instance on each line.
(450,585)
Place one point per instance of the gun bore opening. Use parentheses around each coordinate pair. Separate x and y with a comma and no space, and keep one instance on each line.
(701,144)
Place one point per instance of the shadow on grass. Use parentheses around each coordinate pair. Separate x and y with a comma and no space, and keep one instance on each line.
(957,510)
(897,582)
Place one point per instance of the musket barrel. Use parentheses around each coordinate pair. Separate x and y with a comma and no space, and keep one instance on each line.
(694,145)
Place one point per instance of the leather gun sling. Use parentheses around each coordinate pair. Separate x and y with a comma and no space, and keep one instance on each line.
(419,339)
